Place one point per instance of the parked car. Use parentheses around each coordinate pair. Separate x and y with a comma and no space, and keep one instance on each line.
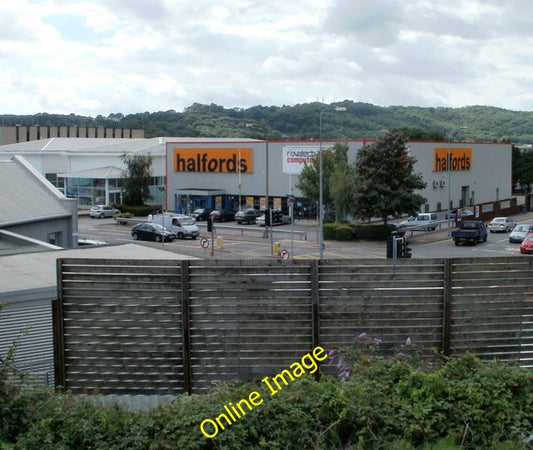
(222,215)
(278,218)
(501,224)
(520,232)
(247,216)
(151,232)
(422,221)
(201,214)
(180,225)
(462,213)
(101,211)
(527,244)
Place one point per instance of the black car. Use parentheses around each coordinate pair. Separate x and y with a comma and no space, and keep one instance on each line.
(222,215)
(247,216)
(201,214)
(151,232)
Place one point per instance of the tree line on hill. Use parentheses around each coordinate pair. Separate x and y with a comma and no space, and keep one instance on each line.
(302,122)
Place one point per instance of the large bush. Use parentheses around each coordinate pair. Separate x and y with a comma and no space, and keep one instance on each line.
(370,402)
(352,232)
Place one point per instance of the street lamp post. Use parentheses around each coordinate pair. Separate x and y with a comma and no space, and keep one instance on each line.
(321,185)
(268,229)
(449,170)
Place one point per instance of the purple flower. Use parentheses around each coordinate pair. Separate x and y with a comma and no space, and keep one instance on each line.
(408,341)
(362,336)
(378,341)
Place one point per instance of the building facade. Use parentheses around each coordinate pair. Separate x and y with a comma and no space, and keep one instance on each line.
(232,174)
(235,173)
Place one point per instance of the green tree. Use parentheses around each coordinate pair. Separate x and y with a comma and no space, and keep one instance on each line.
(385,182)
(341,182)
(308,180)
(522,167)
(136,184)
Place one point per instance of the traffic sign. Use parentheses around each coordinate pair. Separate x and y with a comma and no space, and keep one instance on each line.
(204,243)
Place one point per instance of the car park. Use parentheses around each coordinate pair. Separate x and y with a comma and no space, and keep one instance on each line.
(101,211)
(248,216)
(520,232)
(501,225)
(222,215)
(201,214)
(527,244)
(151,232)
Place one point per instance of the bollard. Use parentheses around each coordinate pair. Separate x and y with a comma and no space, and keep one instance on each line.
(219,241)
(276,248)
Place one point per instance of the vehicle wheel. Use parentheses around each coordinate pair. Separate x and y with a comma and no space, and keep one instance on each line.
(456,242)
(485,239)
(194,237)
(180,236)
(158,238)
(101,216)
(135,236)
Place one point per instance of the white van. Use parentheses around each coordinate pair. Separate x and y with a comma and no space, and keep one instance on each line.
(422,221)
(182,226)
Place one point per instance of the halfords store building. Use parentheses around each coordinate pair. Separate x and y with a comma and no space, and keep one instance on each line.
(234,174)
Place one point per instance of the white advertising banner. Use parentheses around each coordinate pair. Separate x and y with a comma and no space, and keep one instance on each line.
(296,157)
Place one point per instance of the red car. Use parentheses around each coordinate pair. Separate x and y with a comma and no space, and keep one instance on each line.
(527,244)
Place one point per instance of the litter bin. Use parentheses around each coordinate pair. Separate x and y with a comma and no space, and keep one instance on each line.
(523,208)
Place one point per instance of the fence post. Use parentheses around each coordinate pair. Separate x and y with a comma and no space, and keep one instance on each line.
(315,307)
(186,327)
(58,331)
(447,306)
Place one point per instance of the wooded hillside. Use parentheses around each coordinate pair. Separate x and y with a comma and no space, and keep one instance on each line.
(359,121)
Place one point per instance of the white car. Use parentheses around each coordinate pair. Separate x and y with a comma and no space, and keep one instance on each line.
(501,224)
(278,218)
(101,211)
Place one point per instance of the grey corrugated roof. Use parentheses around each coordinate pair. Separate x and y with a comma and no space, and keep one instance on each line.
(109,172)
(26,194)
(152,146)
(38,270)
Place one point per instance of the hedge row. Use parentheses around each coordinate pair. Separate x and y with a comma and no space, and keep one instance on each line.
(352,232)
(376,403)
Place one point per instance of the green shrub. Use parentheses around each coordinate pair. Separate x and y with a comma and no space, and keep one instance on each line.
(369,401)
(351,232)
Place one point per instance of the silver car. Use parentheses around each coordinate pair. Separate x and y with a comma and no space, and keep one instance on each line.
(101,211)
(520,232)
(501,224)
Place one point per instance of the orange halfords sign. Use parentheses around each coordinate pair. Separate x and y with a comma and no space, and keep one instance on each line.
(218,160)
(454,158)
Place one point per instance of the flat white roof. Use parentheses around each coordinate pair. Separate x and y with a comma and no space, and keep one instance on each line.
(38,270)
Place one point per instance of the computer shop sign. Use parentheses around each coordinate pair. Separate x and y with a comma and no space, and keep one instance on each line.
(295,158)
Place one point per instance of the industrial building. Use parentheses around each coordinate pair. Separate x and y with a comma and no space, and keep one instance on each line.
(233,173)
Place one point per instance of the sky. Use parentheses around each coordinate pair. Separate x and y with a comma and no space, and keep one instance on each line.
(98,57)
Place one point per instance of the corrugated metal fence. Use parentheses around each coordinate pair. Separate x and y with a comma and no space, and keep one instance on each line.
(159,327)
